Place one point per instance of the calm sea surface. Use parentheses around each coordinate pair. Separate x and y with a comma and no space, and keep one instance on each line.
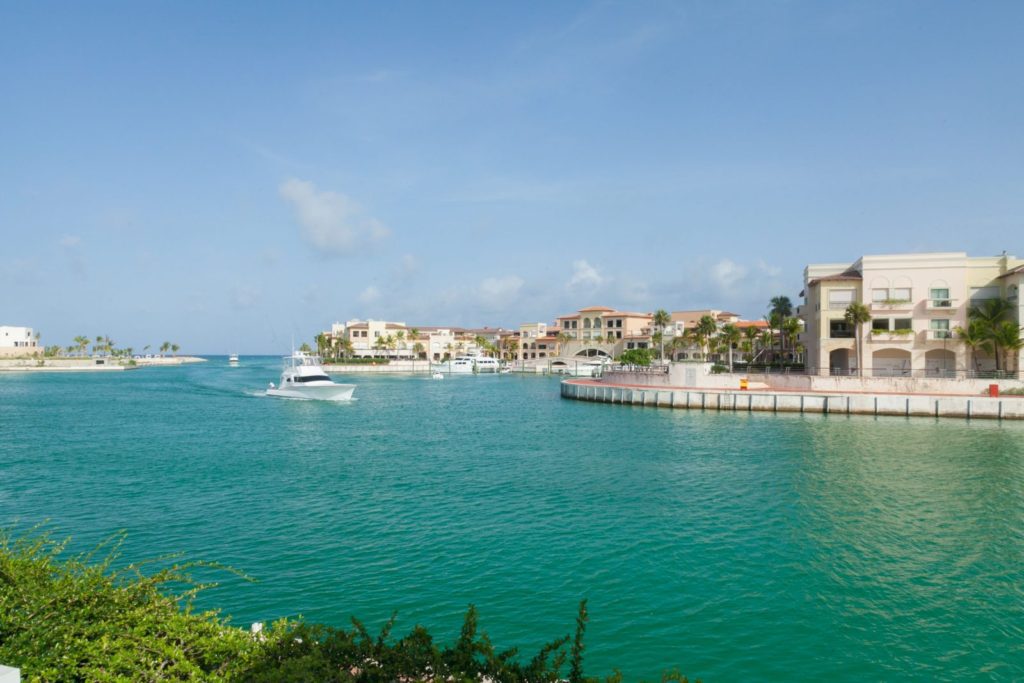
(735,546)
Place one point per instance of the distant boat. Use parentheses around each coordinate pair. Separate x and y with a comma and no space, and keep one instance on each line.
(464,365)
(304,378)
(233,359)
(437,375)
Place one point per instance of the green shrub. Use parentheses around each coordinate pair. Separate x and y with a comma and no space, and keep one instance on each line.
(636,357)
(76,619)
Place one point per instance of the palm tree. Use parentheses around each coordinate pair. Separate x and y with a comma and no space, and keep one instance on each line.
(1006,336)
(174,349)
(82,342)
(751,333)
(165,347)
(400,339)
(857,314)
(730,335)
(513,347)
(973,337)
(661,319)
(305,348)
(780,306)
(418,349)
(322,343)
(480,342)
(790,329)
(706,328)
(989,317)
(346,347)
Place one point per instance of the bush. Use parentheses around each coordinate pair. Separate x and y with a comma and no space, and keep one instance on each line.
(73,619)
(360,361)
(717,369)
(636,357)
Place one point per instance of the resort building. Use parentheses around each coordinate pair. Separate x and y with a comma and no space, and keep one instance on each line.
(916,301)
(396,340)
(538,340)
(18,341)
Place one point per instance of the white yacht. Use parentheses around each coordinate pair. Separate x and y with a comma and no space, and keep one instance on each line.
(304,378)
(233,360)
(462,365)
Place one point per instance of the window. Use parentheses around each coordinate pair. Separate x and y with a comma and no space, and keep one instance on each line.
(940,297)
(618,323)
(313,378)
(840,329)
(880,324)
(940,329)
(597,322)
(574,324)
(982,293)
(841,298)
(565,324)
(879,295)
(901,294)
(618,335)
(904,324)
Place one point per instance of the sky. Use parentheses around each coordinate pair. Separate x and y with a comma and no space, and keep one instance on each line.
(230,176)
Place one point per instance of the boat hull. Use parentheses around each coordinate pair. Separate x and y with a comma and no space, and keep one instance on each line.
(332,392)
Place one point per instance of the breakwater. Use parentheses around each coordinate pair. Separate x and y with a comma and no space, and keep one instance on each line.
(904,405)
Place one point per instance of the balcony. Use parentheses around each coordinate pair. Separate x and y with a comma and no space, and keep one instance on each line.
(941,305)
(938,335)
(892,305)
(890,336)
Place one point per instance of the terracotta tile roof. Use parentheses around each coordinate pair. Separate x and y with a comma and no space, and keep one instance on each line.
(568,317)
(761,324)
(592,309)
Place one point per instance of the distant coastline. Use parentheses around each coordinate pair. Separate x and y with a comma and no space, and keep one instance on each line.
(101,364)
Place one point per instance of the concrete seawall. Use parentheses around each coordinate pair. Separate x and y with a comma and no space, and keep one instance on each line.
(966,407)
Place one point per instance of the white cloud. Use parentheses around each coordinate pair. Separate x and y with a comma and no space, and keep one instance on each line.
(369,295)
(410,264)
(727,273)
(501,288)
(70,241)
(331,223)
(584,276)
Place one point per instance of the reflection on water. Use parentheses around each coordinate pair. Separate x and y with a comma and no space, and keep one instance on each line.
(736,546)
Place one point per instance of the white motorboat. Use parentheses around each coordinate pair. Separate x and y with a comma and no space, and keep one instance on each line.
(464,365)
(304,379)
(233,359)
(437,375)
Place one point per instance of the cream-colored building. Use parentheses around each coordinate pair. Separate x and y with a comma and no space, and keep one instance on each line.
(916,303)
(380,338)
(18,341)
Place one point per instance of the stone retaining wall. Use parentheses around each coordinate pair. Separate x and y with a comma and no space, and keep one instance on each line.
(1005,408)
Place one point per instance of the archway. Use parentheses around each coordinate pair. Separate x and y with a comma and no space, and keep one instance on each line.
(940,363)
(590,353)
(890,363)
(840,362)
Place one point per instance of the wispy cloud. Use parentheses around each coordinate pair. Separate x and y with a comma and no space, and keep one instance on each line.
(369,295)
(330,222)
(585,277)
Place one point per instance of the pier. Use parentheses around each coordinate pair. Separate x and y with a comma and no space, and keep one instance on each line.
(775,401)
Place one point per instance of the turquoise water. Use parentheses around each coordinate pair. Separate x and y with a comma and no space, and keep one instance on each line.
(735,546)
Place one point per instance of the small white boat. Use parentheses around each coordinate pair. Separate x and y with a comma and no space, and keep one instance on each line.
(233,359)
(304,379)
(464,365)
(437,375)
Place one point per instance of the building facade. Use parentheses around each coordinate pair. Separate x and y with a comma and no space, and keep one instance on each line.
(916,302)
(18,341)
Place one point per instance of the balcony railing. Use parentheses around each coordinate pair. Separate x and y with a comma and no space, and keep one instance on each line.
(942,305)
(892,335)
(892,305)
(938,335)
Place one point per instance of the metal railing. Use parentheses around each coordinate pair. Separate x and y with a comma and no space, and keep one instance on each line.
(641,369)
(927,373)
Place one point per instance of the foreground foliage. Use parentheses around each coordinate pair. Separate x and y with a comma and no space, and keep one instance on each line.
(76,618)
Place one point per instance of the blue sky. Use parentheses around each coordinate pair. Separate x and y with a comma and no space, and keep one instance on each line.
(227,175)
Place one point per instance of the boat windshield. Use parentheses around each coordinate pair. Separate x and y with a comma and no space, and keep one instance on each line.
(312,378)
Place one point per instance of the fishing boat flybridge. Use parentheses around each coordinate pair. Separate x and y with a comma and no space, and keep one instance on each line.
(233,359)
(303,378)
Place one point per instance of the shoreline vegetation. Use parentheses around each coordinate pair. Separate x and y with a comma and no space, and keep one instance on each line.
(91,617)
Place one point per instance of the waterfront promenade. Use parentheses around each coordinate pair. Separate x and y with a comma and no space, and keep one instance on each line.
(849,402)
